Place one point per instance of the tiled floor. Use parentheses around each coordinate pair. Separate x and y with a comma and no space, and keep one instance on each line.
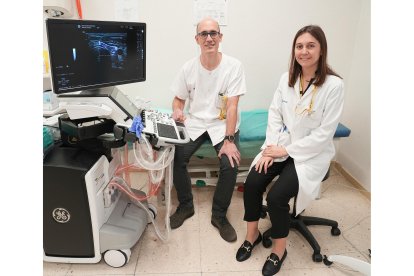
(196,248)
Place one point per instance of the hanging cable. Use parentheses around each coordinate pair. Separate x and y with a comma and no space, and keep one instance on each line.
(158,164)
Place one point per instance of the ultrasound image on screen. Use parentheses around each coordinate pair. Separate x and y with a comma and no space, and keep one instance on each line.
(94,54)
(109,46)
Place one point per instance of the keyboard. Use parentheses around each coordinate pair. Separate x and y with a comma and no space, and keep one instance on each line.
(162,129)
(167,131)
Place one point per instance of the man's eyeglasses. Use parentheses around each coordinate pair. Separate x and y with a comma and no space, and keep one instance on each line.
(213,34)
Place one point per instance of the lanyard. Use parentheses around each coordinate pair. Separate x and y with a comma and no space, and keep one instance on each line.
(301,92)
(309,109)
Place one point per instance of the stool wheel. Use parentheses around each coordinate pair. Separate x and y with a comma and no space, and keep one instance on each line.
(317,257)
(267,242)
(335,231)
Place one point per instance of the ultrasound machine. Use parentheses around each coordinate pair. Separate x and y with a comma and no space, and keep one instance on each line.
(88,60)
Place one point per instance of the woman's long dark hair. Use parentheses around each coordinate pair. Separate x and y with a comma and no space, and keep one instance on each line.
(323,67)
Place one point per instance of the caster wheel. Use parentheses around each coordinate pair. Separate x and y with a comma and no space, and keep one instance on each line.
(117,258)
(153,211)
(267,243)
(317,257)
(335,231)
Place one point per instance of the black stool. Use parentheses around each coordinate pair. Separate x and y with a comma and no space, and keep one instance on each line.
(300,223)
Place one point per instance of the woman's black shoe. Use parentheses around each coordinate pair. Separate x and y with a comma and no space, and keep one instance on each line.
(246,248)
(273,264)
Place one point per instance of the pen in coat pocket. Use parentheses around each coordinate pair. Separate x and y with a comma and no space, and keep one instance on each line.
(282,129)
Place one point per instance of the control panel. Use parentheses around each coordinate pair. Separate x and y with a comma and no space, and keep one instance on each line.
(162,128)
(155,122)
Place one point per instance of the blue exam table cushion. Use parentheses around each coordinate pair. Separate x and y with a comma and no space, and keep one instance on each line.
(342,131)
(254,123)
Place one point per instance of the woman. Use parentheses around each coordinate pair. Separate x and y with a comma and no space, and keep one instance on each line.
(303,117)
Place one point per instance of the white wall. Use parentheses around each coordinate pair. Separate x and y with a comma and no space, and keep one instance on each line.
(355,153)
(260,33)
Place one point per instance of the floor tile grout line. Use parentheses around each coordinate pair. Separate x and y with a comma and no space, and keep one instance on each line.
(356,250)
(139,250)
(349,242)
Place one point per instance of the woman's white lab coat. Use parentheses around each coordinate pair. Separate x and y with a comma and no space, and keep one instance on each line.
(308,138)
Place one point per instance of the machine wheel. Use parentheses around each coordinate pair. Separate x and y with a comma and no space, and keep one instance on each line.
(153,211)
(317,257)
(117,258)
(335,231)
(267,243)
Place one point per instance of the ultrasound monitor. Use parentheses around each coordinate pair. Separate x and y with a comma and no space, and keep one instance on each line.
(86,55)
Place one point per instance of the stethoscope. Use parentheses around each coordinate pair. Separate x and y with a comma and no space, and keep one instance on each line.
(310,107)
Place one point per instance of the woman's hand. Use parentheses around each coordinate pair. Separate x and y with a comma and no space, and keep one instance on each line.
(263,163)
(274,151)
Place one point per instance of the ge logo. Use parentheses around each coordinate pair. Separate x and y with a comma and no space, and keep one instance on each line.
(61,215)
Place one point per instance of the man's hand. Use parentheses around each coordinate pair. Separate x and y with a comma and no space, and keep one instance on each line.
(274,151)
(263,163)
(231,151)
(178,107)
(178,115)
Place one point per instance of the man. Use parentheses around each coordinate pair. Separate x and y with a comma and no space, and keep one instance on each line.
(212,84)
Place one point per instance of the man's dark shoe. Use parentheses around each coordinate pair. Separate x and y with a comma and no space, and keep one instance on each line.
(227,231)
(273,264)
(246,248)
(181,214)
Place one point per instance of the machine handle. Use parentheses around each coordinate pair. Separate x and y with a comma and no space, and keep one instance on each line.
(183,133)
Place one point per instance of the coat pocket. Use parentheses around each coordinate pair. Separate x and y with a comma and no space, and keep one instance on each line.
(284,139)
(312,120)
